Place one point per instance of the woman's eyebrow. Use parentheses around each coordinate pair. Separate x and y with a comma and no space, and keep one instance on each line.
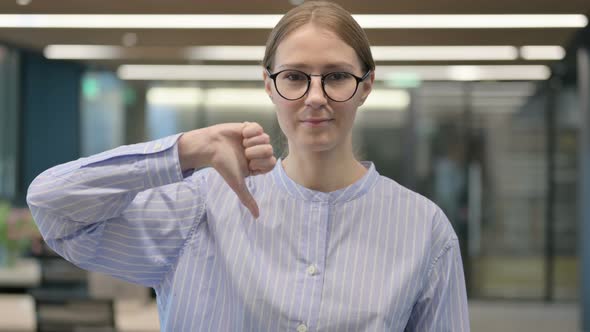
(340,65)
(300,66)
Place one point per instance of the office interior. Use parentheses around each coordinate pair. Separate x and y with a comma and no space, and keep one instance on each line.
(488,116)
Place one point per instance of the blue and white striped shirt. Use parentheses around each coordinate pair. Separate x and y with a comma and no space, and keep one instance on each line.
(373,256)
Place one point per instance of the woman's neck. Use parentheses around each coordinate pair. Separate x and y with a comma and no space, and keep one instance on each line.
(323,171)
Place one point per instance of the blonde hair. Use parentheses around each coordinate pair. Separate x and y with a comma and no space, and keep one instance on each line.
(323,14)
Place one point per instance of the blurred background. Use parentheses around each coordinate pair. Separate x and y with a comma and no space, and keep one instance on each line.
(482,106)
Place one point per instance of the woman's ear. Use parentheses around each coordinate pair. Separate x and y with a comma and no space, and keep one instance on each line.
(267,84)
(367,86)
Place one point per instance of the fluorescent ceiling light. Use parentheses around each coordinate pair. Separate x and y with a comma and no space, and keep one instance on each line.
(382,99)
(190,72)
(83,52)
(111,52)
(443,53)
(182,21)
(467,73)
(245,53)
(174,96)
(232,98)
(383,73)
(542,52)
(436,90)
(220,99)
(138,21)
(256,53)
(502,90)
(472,21)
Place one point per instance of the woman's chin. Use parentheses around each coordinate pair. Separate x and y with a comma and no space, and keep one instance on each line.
(318,144)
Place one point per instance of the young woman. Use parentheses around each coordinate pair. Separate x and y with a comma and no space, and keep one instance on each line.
(232,239)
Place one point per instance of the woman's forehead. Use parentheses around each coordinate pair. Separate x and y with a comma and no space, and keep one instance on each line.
(312,46)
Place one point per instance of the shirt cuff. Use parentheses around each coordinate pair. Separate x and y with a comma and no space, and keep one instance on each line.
(161,162)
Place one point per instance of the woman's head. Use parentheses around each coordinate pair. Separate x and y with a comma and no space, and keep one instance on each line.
(315,52)
(326,15)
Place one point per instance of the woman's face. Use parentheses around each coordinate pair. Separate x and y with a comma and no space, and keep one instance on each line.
(314,122)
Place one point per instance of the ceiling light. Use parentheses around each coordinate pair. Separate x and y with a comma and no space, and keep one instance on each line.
(472,21)
(545,52)
(190,72)
(112,52)
(23,2)
(256,53)
(383,73)
(383,99)
(244,53)
(467,73)
(83,52)
(137,21)
(443,53)
(232,98)
(174,96)
(263,21)
(218,98)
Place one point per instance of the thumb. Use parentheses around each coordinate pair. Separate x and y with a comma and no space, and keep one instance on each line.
(246,198)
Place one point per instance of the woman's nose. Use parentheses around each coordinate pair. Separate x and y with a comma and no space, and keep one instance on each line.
(316,96)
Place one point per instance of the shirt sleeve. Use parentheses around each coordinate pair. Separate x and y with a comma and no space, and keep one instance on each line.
(126,212)
(442,306)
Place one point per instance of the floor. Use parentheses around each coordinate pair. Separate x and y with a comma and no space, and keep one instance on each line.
(486,316)
(495,316)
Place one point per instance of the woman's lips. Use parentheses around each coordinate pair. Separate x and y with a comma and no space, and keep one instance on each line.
(316,122)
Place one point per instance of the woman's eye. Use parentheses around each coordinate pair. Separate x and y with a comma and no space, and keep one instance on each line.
(295,77)
(339,76)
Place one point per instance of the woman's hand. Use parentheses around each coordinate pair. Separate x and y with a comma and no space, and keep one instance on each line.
(235,150)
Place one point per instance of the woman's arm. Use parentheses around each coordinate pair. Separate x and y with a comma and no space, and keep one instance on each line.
(129,211)
(126,212)
(442,305)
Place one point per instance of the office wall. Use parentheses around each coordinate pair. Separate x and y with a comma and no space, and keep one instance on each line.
(50,106)
(8,120)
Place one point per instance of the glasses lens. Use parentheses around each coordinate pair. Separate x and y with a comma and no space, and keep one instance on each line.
(340,86)
(292,84)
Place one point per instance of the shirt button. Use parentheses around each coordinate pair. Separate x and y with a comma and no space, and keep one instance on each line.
(302,328)
(312,270)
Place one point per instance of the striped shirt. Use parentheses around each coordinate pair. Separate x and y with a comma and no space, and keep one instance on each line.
(373,256)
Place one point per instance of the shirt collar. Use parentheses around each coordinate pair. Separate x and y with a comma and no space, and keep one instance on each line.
(359,188)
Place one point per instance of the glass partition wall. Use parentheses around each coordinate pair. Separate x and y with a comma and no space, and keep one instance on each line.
(482,155)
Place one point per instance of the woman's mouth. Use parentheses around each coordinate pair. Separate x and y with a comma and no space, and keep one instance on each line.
(316,122)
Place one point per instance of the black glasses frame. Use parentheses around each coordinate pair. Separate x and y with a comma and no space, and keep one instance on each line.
(309,76)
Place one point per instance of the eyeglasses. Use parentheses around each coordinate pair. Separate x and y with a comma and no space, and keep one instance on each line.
(338,86)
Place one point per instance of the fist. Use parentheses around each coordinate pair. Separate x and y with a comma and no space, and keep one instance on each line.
(235,150)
